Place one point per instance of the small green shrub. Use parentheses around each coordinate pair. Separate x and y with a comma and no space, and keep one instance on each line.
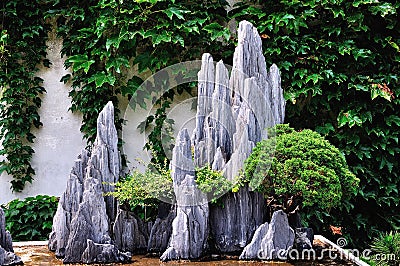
(212,183)
(386,249)
(304,165)
(31,218)
(142,191)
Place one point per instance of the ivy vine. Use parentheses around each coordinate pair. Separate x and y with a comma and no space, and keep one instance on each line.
(22,48)
(104,40)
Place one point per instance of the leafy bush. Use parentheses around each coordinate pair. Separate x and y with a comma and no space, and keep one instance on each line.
(31,218)
(143,191)
(386,249)
(304,165)
(212,183)
(340,71)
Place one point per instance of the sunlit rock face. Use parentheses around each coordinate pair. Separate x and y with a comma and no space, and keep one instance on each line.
(233,114)
(7,256)
(83,221)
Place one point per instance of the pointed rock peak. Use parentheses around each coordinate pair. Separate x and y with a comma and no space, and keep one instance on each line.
(247,32)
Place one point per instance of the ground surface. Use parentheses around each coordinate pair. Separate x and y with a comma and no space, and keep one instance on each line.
(40,255)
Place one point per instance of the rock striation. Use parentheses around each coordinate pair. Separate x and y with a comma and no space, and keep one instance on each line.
(272,241)
(190,226)
(233,114)
(7,256)
(82,225)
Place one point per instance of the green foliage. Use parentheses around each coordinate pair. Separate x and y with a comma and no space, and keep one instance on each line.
(303,164)
(142,191)
(105,39)
(145,188)
(340,72)
(386,249)
(31,218)
(212,183)
(22,49)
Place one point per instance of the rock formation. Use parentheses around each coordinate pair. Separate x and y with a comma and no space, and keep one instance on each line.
(131,233)
(233,114)
(190,226)
(7,256)
(271,241)
(84,214)
(162,229)
(304,238)
(251,251)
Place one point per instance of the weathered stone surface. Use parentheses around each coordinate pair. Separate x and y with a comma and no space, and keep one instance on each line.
(271,241)
(5,237)
(279,238)
(8,258)
(162,229)
(233,225)
(130,232)
(190,226)
(84,213)
(251,251)
(103,253)
(304,238)
(232,116)
(68,206)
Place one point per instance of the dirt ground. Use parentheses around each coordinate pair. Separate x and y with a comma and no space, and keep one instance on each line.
(40,255)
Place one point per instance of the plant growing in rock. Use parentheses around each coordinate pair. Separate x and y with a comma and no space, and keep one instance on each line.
(142,191)
(301,169)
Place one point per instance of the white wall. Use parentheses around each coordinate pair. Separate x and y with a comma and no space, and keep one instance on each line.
(59,141)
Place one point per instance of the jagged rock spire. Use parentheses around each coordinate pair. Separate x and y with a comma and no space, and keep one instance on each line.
(83,213)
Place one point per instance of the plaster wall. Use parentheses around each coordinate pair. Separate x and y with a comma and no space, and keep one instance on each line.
(59,141)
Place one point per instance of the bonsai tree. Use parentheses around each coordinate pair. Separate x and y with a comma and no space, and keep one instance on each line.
(300,169)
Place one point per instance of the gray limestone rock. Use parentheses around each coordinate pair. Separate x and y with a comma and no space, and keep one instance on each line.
(161,230)
(130,232)
(279,238)
(83,212)
(233,225)
(272,241)
(68,206)
(7,256)
(103,253)
(251,251)
(90,222)
(190,226)
(232,116)
(304,238)
(2,255)
(5,237)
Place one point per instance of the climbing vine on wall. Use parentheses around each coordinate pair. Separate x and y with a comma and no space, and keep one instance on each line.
(106,39)
(22,49)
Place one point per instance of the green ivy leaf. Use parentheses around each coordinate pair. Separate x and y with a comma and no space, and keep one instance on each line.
(170,12)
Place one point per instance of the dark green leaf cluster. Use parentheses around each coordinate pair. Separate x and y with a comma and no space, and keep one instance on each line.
(212,183)
(111,45)
(302,164)
(144,190)
(22,49)
(340,63)
(386,250)
(31,218)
